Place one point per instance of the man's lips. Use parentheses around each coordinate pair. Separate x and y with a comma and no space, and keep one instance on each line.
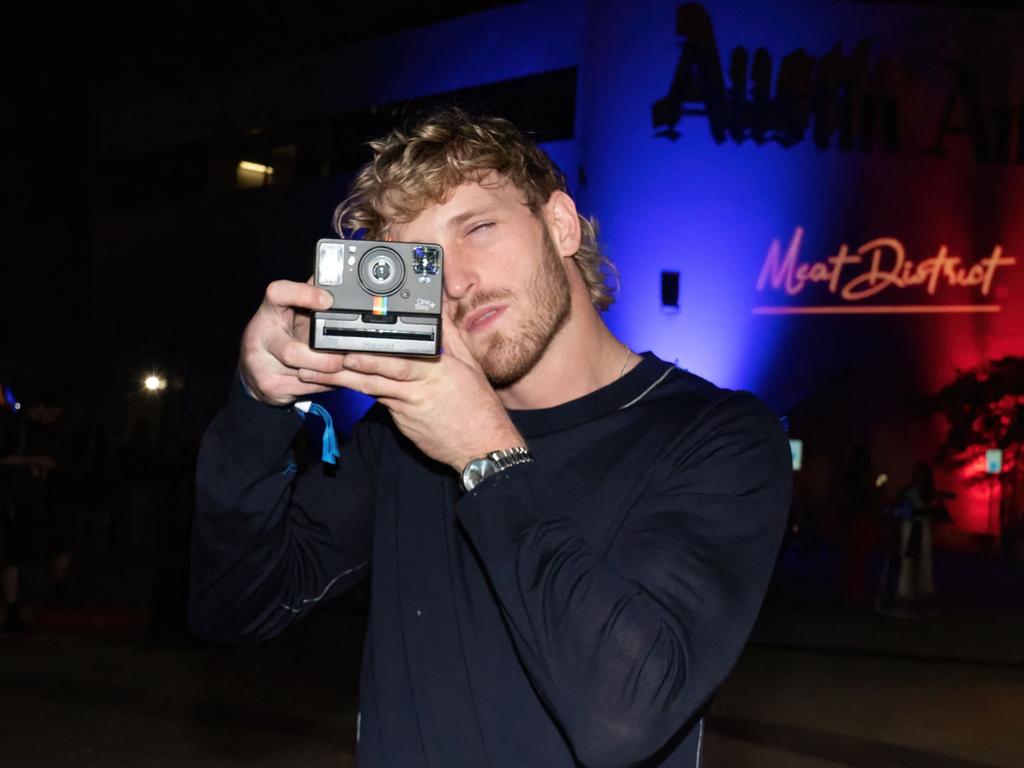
(481,318)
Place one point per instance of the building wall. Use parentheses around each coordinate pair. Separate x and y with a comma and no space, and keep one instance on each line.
(710,139)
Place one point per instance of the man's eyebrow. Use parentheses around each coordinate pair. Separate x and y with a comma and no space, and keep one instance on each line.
(456,221)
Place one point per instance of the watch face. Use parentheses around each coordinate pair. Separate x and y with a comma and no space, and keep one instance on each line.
(477,470)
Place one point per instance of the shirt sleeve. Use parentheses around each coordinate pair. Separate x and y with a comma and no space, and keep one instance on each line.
(269,543)
(627,646)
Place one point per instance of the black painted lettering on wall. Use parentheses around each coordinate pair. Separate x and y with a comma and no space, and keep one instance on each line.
(831,94)
(992,133)
(965,94)
(843,100)
(697,88)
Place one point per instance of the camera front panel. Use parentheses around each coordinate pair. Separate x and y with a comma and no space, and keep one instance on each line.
(386,296)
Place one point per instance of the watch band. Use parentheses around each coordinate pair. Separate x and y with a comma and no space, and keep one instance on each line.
(477,470)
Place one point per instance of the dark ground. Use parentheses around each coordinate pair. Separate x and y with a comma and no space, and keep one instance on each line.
(819,685)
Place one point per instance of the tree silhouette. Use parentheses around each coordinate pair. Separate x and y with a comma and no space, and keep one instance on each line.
(984,408)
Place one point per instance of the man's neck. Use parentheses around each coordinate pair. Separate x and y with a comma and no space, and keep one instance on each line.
(582,357)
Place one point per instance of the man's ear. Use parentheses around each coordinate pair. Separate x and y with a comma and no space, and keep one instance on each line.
(563,223)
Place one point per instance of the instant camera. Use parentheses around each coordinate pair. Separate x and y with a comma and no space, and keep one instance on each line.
(387,297)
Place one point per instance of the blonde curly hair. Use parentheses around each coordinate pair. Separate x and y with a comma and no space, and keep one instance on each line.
(419,166)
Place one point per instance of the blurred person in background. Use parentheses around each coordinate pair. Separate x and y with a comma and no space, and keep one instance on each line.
(920,505)
(27,462)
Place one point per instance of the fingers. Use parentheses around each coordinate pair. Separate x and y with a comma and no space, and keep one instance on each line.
(285,294)
(453,344)
(448,318)
(284,389)
(274,345)
(295,353)
(368,384)
(451,338)
(390,366)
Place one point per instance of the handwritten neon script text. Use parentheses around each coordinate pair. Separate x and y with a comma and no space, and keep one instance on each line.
(883,264)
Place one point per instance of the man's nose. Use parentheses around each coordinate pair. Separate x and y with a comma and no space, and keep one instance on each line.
(460,276)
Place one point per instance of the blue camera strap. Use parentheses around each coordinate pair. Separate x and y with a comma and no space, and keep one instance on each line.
(330,451)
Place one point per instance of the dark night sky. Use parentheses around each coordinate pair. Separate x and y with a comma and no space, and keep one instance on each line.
(60,68)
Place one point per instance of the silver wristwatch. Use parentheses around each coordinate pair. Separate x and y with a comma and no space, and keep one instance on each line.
(493,463)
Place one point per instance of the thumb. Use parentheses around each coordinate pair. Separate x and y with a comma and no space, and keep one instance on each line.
(452,341)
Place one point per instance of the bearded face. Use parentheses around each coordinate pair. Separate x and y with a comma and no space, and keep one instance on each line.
(541,307)
(504,277)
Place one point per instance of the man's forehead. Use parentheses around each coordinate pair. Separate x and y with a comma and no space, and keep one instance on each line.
(465,201)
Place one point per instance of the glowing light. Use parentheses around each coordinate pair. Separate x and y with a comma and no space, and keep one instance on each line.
(154,383)
(330,265)
(17,406)
(796,449)
(947,309)
(889,268)
(979,496)
(994,461)
(266,170)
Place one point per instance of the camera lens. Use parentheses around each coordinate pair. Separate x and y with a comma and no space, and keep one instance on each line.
(381,271)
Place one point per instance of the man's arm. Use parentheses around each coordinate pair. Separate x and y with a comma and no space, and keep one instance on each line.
(626,647)
(269,545)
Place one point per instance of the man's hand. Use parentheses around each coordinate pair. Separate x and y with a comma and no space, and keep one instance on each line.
(445,405)
(275,345)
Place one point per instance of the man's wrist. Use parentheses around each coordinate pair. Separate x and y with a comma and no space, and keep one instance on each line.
(496,441)
(478,469)
(245,384)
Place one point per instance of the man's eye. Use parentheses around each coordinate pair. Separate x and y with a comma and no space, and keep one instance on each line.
(480,227)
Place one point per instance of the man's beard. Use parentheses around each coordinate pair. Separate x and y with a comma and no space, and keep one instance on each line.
(506,360)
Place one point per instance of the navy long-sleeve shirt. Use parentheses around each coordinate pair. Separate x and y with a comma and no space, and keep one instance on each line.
(580,609)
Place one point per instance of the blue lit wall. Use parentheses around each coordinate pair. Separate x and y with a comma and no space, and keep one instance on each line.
(710,209)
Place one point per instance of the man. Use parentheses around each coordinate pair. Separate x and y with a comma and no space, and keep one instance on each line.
(578,604)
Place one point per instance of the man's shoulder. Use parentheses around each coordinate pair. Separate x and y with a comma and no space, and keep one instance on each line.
(691,396)
(692,407)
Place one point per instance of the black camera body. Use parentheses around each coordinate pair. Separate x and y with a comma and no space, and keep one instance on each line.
(387,297)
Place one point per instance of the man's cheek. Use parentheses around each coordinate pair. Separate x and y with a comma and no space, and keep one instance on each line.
(479,349)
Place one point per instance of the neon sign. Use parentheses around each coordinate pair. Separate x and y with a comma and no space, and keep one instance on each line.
(876,267)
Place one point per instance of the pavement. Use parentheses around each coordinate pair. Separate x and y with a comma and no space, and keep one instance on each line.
(825,688)
(820,685)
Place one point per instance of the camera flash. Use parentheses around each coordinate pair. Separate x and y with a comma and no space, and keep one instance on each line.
(330,266)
